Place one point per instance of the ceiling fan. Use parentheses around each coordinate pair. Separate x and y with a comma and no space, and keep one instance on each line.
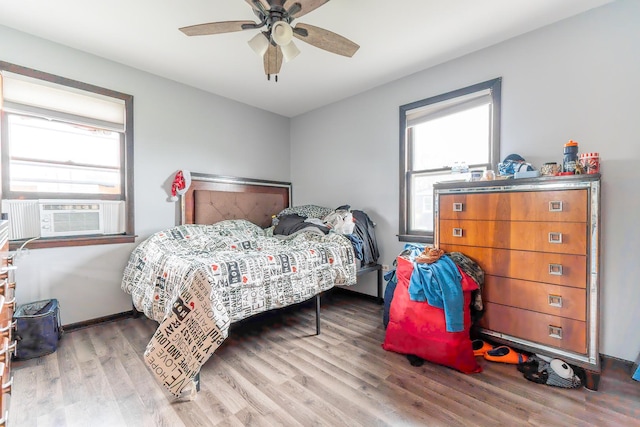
(275,43)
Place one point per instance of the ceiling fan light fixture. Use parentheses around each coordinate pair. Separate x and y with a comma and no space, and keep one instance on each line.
(259,43)
(281,33)
(289,51)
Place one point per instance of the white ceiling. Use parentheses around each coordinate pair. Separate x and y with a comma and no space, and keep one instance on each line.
(396,38)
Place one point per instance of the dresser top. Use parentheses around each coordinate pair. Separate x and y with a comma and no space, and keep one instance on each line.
(503,184)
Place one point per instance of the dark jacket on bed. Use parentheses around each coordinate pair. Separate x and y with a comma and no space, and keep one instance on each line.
(364,230)
(289,224)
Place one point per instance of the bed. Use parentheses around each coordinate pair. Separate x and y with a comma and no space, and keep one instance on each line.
(225,262)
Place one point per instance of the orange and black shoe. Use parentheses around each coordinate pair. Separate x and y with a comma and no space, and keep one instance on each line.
(480,347)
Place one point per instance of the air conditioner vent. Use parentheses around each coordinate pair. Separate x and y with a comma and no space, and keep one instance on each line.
(70,218)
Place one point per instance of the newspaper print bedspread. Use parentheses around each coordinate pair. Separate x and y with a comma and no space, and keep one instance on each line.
(195,280)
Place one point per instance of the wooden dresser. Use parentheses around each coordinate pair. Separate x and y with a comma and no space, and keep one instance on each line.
(537,241)
(7,307)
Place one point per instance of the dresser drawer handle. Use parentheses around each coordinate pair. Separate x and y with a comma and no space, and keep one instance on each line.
(12,302)
(6,387)
(8,268)
(555,237)
(6,286)
(555,332)
(555,206)
(555,269)
(458,207)
(457,232)
(10,325)
(555,300)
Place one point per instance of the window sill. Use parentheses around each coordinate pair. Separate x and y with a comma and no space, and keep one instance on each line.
(415,238)
(59,242)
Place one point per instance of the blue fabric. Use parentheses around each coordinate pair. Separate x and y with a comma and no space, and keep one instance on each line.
(439,284)
(414,249)
(357,243)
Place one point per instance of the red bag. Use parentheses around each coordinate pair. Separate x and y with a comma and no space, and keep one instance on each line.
(419,329)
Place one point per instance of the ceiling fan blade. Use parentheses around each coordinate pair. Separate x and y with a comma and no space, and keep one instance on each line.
(325,39)
(306,6)
(218,28)
(272,60)
(260,7)
(264,3)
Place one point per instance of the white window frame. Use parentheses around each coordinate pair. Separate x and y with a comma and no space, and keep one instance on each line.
(119,119)
(437,106)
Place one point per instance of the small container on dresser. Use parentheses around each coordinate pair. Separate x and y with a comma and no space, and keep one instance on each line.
(7,307)
(537,241)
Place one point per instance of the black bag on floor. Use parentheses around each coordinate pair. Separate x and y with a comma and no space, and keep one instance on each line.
(38,329)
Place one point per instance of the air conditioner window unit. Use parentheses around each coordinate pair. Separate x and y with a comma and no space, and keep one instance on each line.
(70,217)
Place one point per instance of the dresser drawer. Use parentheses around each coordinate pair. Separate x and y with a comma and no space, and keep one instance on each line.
(6,317)
(3,398)
(7,383)
(554,331)
(7,307)
(557,269)
(6,287)
(6,349)
(566,237)
(556,300)
(560,205)
(7,327)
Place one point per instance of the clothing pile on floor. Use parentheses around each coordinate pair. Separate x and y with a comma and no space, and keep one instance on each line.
(555,372)
(427,308)
(425,257)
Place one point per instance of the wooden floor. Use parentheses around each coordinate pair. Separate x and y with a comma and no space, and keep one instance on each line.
(273,371)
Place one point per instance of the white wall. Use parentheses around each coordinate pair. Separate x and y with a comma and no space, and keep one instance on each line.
(578,79)
(175,127)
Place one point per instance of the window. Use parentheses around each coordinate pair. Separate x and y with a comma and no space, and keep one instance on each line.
(437,136)
(67,151)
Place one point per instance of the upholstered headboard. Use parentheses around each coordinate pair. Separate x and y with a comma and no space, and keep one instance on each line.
(213,198)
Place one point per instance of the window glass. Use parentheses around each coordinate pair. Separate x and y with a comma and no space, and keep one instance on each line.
(441,138)
(438,143)
(54,157)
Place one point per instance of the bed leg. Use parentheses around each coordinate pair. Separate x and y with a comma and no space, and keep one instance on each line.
(135,312)
(196,379)
(318,314)
(380,297)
